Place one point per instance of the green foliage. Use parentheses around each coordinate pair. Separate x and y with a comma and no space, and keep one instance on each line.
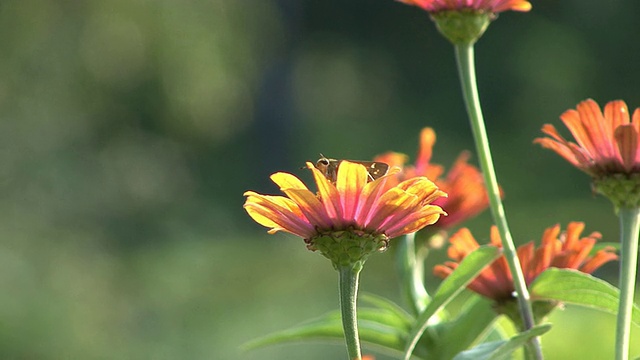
(502,350)
(385,326)
(575,287)
(476,322)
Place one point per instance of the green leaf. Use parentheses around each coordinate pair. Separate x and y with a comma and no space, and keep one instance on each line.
(502,350)
(329,327)
(472,324)
(575,287)
(388,305)
(379,327)
(468,269)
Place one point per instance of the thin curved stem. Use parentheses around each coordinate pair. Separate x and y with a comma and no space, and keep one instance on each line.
(629,231)
(412,274)
(349,278)
(467,73)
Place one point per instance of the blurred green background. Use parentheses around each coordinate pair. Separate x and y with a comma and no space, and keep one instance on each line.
(129,130)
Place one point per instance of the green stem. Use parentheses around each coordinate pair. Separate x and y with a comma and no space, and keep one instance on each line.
(349,277)
(467,72)
(412,274)
(629,230)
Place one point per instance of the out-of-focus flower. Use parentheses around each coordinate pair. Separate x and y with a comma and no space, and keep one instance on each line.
(463,183)
(350,219)
(565,250)
(493,6)
(606,147)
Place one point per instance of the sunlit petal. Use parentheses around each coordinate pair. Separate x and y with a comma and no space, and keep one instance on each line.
(310,206)
(351,180)
(278,213)
(287,181)
(329,196)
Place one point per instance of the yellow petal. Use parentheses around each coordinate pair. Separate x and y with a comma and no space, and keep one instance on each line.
(278,213)
(287,181)
(351,180)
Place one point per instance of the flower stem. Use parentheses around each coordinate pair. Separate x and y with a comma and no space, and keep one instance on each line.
(467,73)
(412,274)
(629,231)
(349,277)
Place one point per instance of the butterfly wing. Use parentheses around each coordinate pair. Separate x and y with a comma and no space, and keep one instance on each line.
(329,168)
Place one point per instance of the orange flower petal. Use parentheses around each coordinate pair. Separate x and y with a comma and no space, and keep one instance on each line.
(602,257)
(427,140)
(574,229)
(598,131)
(626,137)
(428,215)
(278,213)
(370,195)
(310,206)
(390,202)
(572,120)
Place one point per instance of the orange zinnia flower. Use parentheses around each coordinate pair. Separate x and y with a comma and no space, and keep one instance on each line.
(565,250)
(463,183)
(607,148)
(606,143)
(354,207)
(493,6)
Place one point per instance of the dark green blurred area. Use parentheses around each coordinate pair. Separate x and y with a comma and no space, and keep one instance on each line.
(130,129)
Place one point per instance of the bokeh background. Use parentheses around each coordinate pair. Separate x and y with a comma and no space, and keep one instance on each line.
(129,130)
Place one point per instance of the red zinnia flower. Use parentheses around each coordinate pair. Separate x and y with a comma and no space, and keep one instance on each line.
(565,250)
(463,183)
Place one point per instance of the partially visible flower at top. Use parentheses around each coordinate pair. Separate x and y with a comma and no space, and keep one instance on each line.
(464,21)
(493,6)
(607,148)
(463,183)
(350,219)
(566,250)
